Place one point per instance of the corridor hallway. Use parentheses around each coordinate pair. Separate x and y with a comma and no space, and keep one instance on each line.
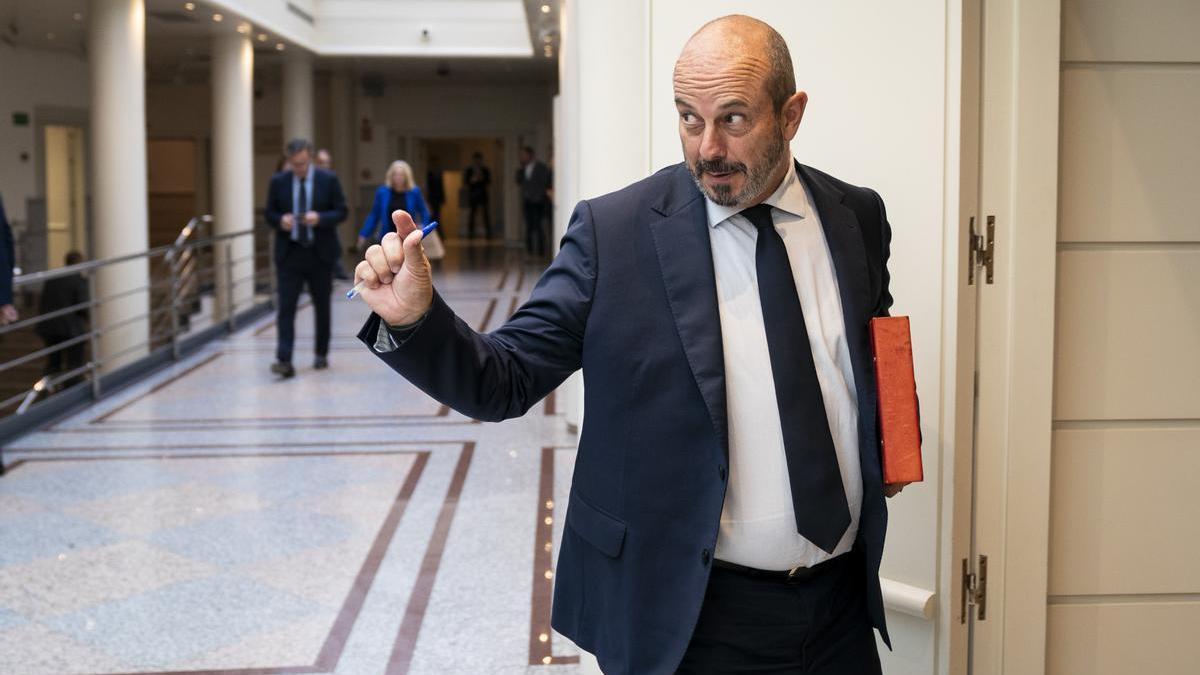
(214,518)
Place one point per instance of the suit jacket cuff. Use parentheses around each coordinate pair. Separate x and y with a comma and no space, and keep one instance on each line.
(384,338)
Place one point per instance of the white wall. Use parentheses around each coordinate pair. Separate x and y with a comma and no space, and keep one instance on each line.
(30,78)
(876,77)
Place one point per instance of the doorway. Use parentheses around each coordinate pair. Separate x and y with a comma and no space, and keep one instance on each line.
(451,157)
(66,190)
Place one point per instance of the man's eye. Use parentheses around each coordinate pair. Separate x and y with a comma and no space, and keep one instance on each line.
(735,118)
(687,117)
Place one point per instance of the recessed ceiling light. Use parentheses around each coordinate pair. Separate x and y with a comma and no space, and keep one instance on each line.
(189,6)
(262,37)
(218,18)
(243,28)
(49,36)
(545,9)
(78,16)
(279,46)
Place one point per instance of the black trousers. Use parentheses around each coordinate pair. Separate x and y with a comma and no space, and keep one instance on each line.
(479,205)
(815,626)
(535,237)
(64,359)
(302,267)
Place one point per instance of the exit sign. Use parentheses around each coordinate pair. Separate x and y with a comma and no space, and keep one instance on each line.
(20,119)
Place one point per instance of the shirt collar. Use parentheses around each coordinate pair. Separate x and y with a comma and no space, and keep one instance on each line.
(789,197)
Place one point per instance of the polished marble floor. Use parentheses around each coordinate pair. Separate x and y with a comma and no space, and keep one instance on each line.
(213,518)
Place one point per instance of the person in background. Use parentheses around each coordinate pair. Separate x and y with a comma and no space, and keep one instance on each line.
(477,178)
(60,293)
(398,192)
(324,160)
(304,206)
(435,189)
(535,180)
(8,261)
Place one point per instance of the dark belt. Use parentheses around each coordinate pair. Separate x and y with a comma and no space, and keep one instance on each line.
(792,576)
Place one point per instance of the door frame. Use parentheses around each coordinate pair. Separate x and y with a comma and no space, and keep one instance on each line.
(1026,252)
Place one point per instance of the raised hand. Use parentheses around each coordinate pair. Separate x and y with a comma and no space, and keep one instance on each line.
(396,280)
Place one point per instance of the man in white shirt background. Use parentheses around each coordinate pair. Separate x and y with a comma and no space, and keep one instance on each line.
(727,509)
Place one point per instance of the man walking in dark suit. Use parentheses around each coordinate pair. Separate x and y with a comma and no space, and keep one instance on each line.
(61,293)
(727,510)
(535,180)
(304,206)
(476,179)
(8,261)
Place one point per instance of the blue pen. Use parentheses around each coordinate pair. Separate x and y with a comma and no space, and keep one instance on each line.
(353,292)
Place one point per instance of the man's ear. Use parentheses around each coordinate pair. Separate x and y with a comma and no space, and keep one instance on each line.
(792,113)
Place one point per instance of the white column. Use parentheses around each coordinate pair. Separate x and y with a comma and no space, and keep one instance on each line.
(233,167)
(117,56)
(342,145)
(298,99)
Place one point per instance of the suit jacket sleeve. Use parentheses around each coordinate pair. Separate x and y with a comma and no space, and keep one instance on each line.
(417,200)
(884,302)
(501,374)
(336,212)
(274,210)
(378,211)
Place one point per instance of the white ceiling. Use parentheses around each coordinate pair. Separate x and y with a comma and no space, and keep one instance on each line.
(178,41)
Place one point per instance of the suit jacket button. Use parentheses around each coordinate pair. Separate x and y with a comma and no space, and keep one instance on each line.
(705,556)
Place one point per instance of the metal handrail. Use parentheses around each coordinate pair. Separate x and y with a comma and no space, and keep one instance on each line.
(193,266)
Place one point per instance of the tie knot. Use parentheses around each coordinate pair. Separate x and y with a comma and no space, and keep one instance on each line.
(759,215)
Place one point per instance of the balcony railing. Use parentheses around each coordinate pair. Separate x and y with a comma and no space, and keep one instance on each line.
(83,330)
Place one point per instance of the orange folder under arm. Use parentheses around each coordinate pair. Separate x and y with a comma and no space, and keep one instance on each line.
(899,414)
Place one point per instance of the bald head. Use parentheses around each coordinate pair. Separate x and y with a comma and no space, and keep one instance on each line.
(745,47)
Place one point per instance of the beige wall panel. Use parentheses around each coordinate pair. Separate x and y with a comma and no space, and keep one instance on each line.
(1130,30)
(1130,159)
(1128,326)
(1121,511)
(1123,639)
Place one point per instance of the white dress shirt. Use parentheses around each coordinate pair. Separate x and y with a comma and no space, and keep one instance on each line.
(758,523)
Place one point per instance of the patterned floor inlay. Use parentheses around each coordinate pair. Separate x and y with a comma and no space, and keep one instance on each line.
(214,519)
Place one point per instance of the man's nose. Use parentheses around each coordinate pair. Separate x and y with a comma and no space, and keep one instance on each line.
(712,144)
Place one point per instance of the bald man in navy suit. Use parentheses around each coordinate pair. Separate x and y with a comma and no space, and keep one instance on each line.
(727,510)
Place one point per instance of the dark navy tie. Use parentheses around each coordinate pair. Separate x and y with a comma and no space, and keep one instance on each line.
(818,497)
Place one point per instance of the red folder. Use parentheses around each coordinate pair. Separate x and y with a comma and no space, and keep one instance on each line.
(899,416)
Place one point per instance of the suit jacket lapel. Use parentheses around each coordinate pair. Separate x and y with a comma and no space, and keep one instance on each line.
(684,252)
(846,248)
(849,255)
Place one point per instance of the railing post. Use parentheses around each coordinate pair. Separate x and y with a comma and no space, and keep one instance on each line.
(232,309)
(94,333)
(173,301)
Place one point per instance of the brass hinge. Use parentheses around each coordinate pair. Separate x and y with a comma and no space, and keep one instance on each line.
(974,590)
(981,252)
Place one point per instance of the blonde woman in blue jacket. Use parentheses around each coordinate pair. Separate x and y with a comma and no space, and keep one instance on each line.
(399,191)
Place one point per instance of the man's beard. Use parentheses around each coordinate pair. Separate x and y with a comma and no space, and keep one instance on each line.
(757,178)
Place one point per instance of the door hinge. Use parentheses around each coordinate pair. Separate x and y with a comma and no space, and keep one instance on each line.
(974,590)
(981,251)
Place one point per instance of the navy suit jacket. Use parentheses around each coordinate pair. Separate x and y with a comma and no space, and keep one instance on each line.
(327,200)
(631,298)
